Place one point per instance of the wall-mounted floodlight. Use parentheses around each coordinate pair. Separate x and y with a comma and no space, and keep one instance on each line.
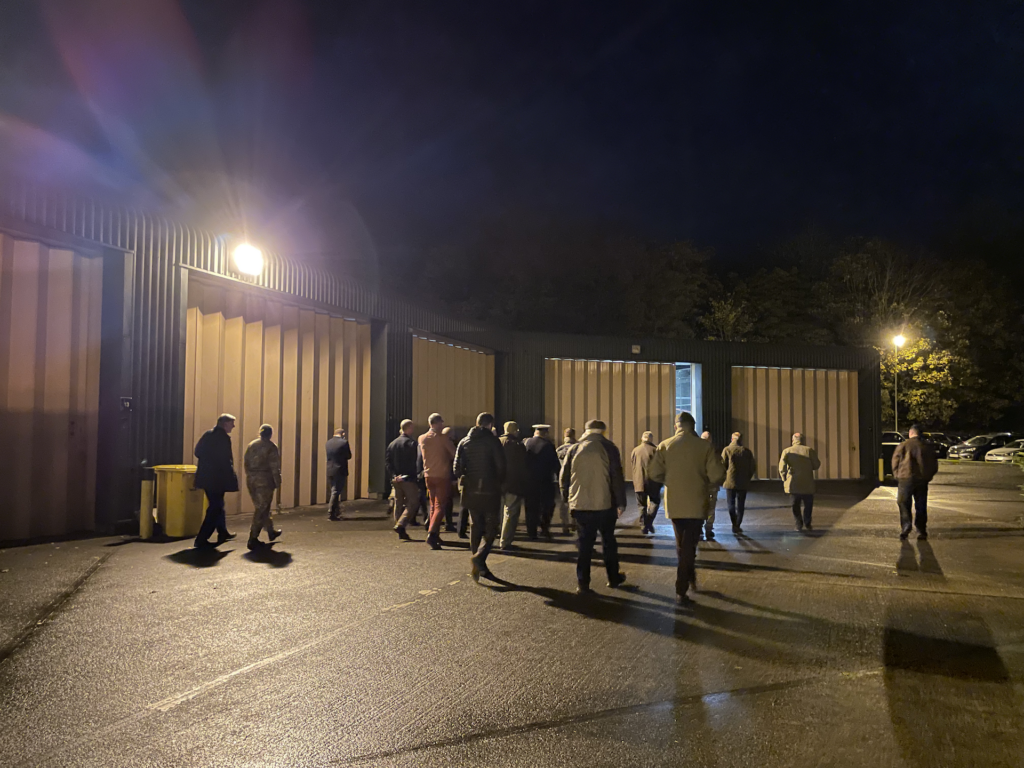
(248,259)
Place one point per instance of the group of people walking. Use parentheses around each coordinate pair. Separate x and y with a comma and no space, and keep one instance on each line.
(500,476)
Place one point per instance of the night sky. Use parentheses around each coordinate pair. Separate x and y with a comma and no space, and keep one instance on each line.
(410,124)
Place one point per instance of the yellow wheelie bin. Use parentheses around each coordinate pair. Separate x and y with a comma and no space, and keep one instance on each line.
(180,507)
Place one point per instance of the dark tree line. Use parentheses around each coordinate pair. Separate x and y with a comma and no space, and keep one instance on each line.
(960,368)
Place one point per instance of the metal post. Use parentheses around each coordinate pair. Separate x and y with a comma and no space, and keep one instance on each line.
(896,390)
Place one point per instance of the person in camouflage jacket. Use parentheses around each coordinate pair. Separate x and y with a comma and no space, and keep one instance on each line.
(262,463)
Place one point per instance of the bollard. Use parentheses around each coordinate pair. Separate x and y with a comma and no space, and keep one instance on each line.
(146,510)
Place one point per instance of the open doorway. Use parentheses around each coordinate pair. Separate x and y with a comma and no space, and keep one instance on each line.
(688,392)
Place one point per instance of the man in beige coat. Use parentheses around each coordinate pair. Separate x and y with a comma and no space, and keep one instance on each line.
(797,467)
(688,467)
(648,492)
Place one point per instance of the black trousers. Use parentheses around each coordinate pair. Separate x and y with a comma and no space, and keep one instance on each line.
(485,510)
(808,502)
(916,494)
(687,535)
(540,505)
(737,501)
(214,519)
(339,485)
(588,525)
(463,522)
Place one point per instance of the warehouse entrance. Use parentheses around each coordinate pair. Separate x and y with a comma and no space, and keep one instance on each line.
(630,397)
(302,371)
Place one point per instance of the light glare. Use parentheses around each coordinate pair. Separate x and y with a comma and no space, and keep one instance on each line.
(900,340)
(248,259)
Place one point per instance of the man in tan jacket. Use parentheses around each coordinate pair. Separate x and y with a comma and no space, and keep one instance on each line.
(648,492)
(797,466)
(688,467)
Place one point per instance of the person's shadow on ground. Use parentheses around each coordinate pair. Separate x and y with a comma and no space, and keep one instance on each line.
(267,555)
(197,558)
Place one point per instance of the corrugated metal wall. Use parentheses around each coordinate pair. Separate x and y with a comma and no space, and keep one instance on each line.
(50,334)
(455,381)
(303,372)
(770,404)
(630,398)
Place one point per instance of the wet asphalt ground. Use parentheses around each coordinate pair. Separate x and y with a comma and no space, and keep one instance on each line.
(843,647)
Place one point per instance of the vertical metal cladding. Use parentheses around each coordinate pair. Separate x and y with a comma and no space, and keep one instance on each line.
(166,253)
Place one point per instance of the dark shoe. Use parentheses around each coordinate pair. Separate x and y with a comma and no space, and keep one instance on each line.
(620,578)
(693,583)
(254,543)
(509,548)
(450,529)
(334,517)
(736,530)
(275,534)
(400,530)
(434,541)
(463,535)
(204,544)
(584,589)
(683,599)
(225,537)
(710,535)
(474,571)
(922,535)
(904,536)
(809,527)
(799,526)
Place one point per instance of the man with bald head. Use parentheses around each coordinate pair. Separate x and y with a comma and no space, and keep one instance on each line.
(339,453)
(740,467)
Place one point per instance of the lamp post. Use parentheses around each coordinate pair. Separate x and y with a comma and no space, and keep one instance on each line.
(897,342)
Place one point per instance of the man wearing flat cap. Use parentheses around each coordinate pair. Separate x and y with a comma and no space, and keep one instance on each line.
(516,485)
(262,462)
(543,465)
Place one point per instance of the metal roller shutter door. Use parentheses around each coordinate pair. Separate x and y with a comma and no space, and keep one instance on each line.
(630,398)
(303,372)
(770,404)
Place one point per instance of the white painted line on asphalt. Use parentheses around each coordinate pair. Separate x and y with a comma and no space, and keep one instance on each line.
(173,701)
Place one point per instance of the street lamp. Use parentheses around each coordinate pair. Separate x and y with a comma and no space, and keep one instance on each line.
(897,341)
(248,259)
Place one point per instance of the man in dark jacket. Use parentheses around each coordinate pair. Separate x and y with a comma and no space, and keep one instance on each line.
(914,464)
(542,464)
(517,482)
(339,453)
(593,485)
(739,470)
(215,474)
(480,465)
(400,465)
(648,492)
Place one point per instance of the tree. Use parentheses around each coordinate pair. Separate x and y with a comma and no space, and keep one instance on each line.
(670,290)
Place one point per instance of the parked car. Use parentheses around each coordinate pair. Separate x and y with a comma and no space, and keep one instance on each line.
(889,442)
(1006,453)
(978,447)
(942,443)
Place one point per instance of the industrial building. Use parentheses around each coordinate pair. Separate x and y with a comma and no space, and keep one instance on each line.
(123,336)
